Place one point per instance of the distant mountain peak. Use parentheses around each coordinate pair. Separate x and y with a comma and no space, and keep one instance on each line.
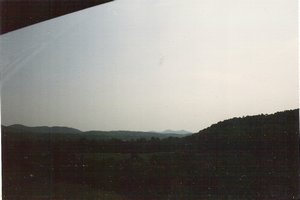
(176,131)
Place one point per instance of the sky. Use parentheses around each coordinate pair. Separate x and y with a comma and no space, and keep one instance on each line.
(152,65)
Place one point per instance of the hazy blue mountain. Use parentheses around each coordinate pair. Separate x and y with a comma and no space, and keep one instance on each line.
(42,132)
(169,131)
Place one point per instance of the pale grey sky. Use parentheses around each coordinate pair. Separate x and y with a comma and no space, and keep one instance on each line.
(152,65)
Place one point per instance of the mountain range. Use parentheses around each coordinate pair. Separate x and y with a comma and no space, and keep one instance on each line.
(242,129)
(41,132)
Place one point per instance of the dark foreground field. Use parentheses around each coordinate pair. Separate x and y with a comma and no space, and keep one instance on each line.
(242,158)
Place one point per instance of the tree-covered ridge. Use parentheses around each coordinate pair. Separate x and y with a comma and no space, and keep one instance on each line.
(250,130)
(280,121)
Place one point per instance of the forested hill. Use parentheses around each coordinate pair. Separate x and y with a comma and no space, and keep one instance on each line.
(244,132)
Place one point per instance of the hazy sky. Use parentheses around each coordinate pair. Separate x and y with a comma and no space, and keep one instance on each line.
(152,65)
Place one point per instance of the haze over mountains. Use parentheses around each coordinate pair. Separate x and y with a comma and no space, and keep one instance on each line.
(176,131)
(197,64)
(248,125)
(153,65)
(40,132)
